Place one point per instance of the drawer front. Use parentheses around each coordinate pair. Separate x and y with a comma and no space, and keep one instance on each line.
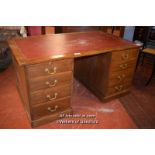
(47,95)
(118,89)
(50,108)
(120,77)
(49,68)
(50,81)
(122,66)
(124,56)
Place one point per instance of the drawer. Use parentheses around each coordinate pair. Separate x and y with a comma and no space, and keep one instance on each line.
(50,81)
(118,89)
(50,108)
(121,76)
(122,66)
(49,68)
(124,56)
(42,96)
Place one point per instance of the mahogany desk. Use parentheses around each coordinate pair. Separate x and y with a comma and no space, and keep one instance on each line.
(45,66)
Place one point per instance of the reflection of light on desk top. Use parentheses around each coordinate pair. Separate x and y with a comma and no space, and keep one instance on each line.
(138,44)
(58,56)
(83,42)
(77,53)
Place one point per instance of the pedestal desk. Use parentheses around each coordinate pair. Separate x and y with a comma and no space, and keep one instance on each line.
(45,66)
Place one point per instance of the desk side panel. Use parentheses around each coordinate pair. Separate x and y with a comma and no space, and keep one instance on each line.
(21,83)
(93,72)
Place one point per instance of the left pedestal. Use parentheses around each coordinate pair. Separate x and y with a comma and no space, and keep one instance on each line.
(45,89)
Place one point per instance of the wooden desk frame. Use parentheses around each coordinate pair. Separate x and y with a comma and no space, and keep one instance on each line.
(107,72)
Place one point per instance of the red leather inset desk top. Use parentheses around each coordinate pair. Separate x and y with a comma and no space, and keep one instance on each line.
(69,43)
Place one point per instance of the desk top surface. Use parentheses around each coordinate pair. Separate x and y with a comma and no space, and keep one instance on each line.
(65,45)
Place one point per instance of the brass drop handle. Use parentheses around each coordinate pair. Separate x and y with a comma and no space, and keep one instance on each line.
(125,56)
(52,110)
(121,77)
(119,88)
(51,85)
(52,98)
(123,66)
(54,70)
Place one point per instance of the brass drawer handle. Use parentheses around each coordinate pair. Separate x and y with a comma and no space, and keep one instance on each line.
(121,77)
(52,98)
(51,85)
(119,88)
(123,66)
(54,70)
(52,110)
(125,56)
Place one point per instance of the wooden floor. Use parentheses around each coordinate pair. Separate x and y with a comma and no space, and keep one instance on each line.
(140,103)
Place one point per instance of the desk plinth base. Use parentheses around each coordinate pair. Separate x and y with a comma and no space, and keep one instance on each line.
(115,96)
(50,118)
